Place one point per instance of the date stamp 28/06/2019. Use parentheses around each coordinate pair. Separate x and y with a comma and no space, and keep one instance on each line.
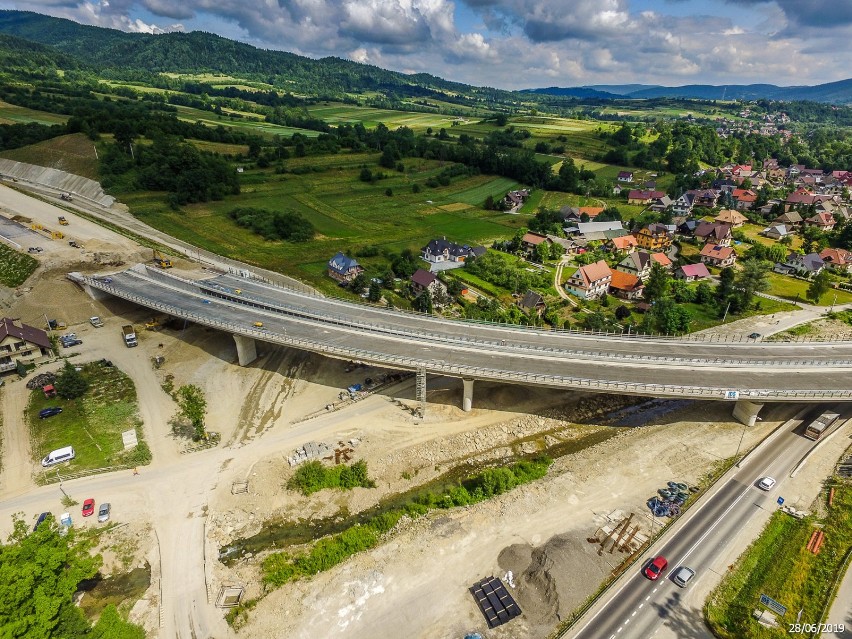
(812,628)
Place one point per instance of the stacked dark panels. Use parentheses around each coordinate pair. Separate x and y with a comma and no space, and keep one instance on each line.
(494,600)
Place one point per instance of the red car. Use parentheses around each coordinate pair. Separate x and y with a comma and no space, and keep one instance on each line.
(88,507)
(655,568)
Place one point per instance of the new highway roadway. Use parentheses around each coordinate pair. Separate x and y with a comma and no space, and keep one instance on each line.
(637,607)
(758,371)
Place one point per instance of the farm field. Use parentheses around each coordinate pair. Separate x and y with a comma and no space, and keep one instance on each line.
(347,213)
(251,123)
(793,289)
(370,117)
(13,114)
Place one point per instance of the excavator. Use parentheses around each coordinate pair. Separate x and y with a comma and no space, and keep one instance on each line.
(161,260)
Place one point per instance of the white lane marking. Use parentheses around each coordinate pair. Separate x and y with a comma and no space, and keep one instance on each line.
(634,613)
(619,628)
(647,598)
(655,589)
(641,604)
(715,523)
(627,622)
(612,637)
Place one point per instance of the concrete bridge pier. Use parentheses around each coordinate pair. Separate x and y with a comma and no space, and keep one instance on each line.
(96,293)
(745,412)
(467,398)
(246,349)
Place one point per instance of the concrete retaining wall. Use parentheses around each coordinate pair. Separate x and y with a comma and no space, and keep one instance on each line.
(77,185)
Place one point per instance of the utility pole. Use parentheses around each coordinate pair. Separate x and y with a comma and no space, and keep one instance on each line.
(725,317)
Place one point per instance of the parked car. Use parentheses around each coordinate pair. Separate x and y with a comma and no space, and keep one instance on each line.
(654,569)
(766,483)
(683,576)
(40,519)
(35,249)
(44,413)
(754,336)
(71,342)
(88,507)
(103,512)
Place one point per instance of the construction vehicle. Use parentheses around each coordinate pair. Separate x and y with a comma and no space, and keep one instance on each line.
(74,244)
(154,324)
(129,334)
(56,325)
(63,221)
(161,260)
(65,196)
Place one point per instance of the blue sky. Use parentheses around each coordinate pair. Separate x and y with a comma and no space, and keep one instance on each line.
(521,43)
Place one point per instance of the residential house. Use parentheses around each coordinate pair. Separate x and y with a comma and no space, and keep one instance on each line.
(624,244)
(662,259)
(717,255)
(344,269)
(626,286)
(837,259)
(515,199)
(591,211)
(616,190)
(532,302)
(590,281)
(692,272)
(714,232)
(661,204)
(706,198)
(441,250)
(687,227)
(822,221)
(734,218)
(597,230)
(569,246)
(643,197)
(530,240)
(806,265)
(625,176)
(683,205)
(21,343)
(637,263)
(776,231)
(427,281)
(790,219)
(654,237)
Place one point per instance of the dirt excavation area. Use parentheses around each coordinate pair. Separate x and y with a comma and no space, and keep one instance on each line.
(419,579)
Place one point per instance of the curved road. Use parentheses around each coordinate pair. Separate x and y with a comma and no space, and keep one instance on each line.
(612,363)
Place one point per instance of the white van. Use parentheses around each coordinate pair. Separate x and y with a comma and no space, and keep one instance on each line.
(58,456)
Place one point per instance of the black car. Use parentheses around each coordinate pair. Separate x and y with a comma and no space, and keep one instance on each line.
(44,413)
(41,518)
(71,342)
(754,336)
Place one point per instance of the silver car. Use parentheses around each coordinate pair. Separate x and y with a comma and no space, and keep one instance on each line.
(683,576)
(103,512)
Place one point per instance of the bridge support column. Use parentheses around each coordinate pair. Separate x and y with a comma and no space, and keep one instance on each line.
(246,349)
(96,293)
(467,398)
(745,412)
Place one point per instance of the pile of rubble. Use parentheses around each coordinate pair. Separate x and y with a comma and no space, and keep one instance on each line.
(41,380)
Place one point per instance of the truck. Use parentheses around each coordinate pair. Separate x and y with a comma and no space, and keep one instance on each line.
(96,321)
(820,425)
(129,334)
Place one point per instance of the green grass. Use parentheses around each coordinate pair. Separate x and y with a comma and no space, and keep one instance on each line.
(778,564)
(13,114)
(250,123)
(312,477)
(792,289)
(74,153)
(15,267)
(350,114)
(92,424)
(496,187)
(348,214)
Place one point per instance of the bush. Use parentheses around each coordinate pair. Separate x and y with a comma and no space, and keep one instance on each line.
(313,477)
(71,384)
(274,225)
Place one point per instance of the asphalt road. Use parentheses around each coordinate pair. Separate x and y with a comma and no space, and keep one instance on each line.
(662,367)
(638,607)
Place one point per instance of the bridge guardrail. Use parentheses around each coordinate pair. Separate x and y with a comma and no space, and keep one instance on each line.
(353,322)
(465,371)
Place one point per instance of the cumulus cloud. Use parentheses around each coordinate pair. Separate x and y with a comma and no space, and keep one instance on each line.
(517,43)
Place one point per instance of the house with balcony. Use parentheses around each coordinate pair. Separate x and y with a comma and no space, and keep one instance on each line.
(21,343)
(590,281)
(654,237)
(343,268)
(717,255)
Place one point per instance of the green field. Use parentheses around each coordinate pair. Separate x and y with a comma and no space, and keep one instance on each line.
(74,153)
(92,424)
(15,267)
(13,114)
(793,289)
(348,214)
(250,123)
(336,114)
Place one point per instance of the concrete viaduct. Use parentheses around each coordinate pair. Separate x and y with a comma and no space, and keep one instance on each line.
(744,372)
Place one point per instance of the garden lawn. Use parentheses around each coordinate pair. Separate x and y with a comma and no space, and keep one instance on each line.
(15,267)
(792,289)
(92,424)
(779,565)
